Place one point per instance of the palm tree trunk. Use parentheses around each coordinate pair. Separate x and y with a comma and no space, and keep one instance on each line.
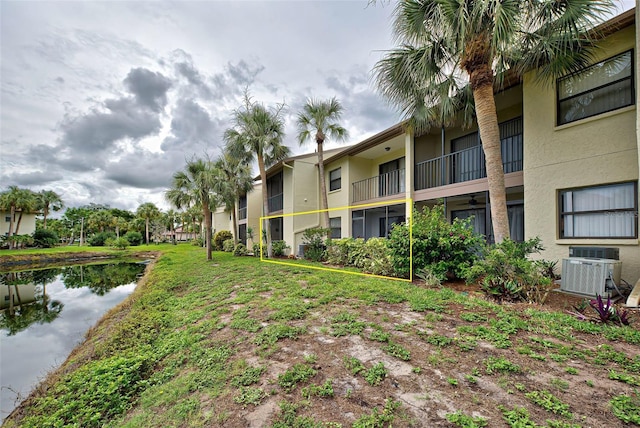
(323,187)
(490,136)
(146,230)
(45,213)
(208,226)
(18,223)
(265,205)
(12,213)
(235,223)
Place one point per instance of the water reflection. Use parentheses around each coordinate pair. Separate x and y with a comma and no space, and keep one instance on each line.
(45,313)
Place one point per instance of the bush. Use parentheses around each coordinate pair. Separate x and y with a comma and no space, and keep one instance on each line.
(228,245)
(256,250)
(134,238)
(344,251)
(45,238)
(20,241)
(240,250)
(197,242)
(314,240)
(219,238)
(117,243)
(507,274)
(99,239)
(446,249)
(375,257)
(279,247)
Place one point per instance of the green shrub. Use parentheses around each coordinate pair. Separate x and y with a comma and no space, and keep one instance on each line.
(117,243)
(219,238)
(228,245)
(197,242)
(240,250)
(279,247)
(45,238)
(375,257)
(507,274)
(134,238)
(20,241)
(446,249)
(99,239)
(256,250)
(343,251)
(314,241)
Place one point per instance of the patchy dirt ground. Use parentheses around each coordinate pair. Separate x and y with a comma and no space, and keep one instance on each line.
(437,379)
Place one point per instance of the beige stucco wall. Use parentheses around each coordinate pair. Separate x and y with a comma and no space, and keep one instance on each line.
(221,221)
(254,212)
(598,150)
(27,224)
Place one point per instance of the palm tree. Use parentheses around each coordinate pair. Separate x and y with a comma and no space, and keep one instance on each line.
(171,217)
(233,180)
(17,200)
(100,220)
(148,211)
(447,45)
(257,134)
(194,186)
(49,200)
(319,120)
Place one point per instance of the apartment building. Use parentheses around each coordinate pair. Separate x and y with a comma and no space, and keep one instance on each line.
(570,151)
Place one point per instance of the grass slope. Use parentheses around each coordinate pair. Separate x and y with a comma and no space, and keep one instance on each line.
(236,343)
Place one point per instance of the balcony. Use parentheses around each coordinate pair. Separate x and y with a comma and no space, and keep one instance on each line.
(275,202)
(466,165)
(390,183)
(242,213)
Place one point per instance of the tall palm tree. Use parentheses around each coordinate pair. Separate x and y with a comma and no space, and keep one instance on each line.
(194,186)
(446,45)
(17,201)
(233,180)
(257,133)
(319,120)
(148,211)
(49,200)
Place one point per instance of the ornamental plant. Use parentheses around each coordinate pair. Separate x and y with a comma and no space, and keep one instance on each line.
(446,249)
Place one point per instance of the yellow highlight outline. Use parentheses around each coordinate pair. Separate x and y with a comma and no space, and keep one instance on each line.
(348,207)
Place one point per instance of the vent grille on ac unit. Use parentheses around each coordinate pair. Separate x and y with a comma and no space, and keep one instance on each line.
(595,252)
(589,276)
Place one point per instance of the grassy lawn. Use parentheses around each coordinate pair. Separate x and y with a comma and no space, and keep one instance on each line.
(236,342)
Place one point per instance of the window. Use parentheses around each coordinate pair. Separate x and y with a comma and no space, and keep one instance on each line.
(7,218)
(335,223)
(603,87)
(357,224)
(335,179)
(242,207)
(609,211)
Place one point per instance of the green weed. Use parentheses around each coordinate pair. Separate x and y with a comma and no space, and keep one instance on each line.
(626,408)
(465,421)
(379,418)
(249,395)
(298,373)
(500,364)
(375,374)
(396,350)
(550,403)
(325,390)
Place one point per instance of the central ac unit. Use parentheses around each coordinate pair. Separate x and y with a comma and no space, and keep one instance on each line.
(590,277)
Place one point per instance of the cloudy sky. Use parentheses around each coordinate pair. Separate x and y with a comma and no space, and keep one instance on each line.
(103,101)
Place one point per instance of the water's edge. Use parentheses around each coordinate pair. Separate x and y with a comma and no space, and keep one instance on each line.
(84,350)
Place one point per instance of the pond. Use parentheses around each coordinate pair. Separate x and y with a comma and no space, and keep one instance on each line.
(45,313)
